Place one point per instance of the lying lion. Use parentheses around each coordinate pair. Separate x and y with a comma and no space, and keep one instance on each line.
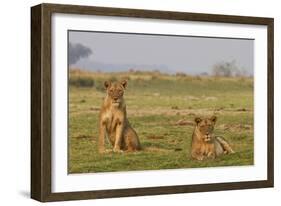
(204,143)
(113,120)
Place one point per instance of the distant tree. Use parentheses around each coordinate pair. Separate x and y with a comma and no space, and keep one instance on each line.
(131,70)
(225,69)
(77,51)
(180,74)
(156,71)
(204,74)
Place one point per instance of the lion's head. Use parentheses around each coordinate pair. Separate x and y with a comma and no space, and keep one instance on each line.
(206,127)
(115,91)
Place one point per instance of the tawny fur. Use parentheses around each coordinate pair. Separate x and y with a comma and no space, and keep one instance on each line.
(204,143)
(113,121)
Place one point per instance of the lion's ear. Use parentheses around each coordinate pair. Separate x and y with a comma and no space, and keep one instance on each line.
(197,120)
(124,83)
(213,119)
(106,84)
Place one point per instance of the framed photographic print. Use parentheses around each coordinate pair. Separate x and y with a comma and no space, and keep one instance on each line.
(132,102)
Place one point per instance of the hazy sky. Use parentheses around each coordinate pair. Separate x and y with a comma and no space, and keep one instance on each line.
(193,55)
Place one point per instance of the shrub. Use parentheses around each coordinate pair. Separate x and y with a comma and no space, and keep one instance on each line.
(99,85)
(82,82)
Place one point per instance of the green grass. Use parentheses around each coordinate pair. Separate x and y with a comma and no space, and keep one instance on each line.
(154,104)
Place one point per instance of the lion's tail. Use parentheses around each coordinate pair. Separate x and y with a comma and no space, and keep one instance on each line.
(225,145)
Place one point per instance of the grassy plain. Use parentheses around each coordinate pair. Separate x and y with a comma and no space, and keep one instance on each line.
(161,108)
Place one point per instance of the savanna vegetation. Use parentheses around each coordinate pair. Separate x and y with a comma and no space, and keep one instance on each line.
(161,108)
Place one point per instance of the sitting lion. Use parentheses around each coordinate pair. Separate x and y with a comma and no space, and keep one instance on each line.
(113,120)
(204,143)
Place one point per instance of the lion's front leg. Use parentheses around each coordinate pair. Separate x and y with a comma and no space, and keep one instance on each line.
(102,133)
(118,138)
(211,155)
(197,154)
